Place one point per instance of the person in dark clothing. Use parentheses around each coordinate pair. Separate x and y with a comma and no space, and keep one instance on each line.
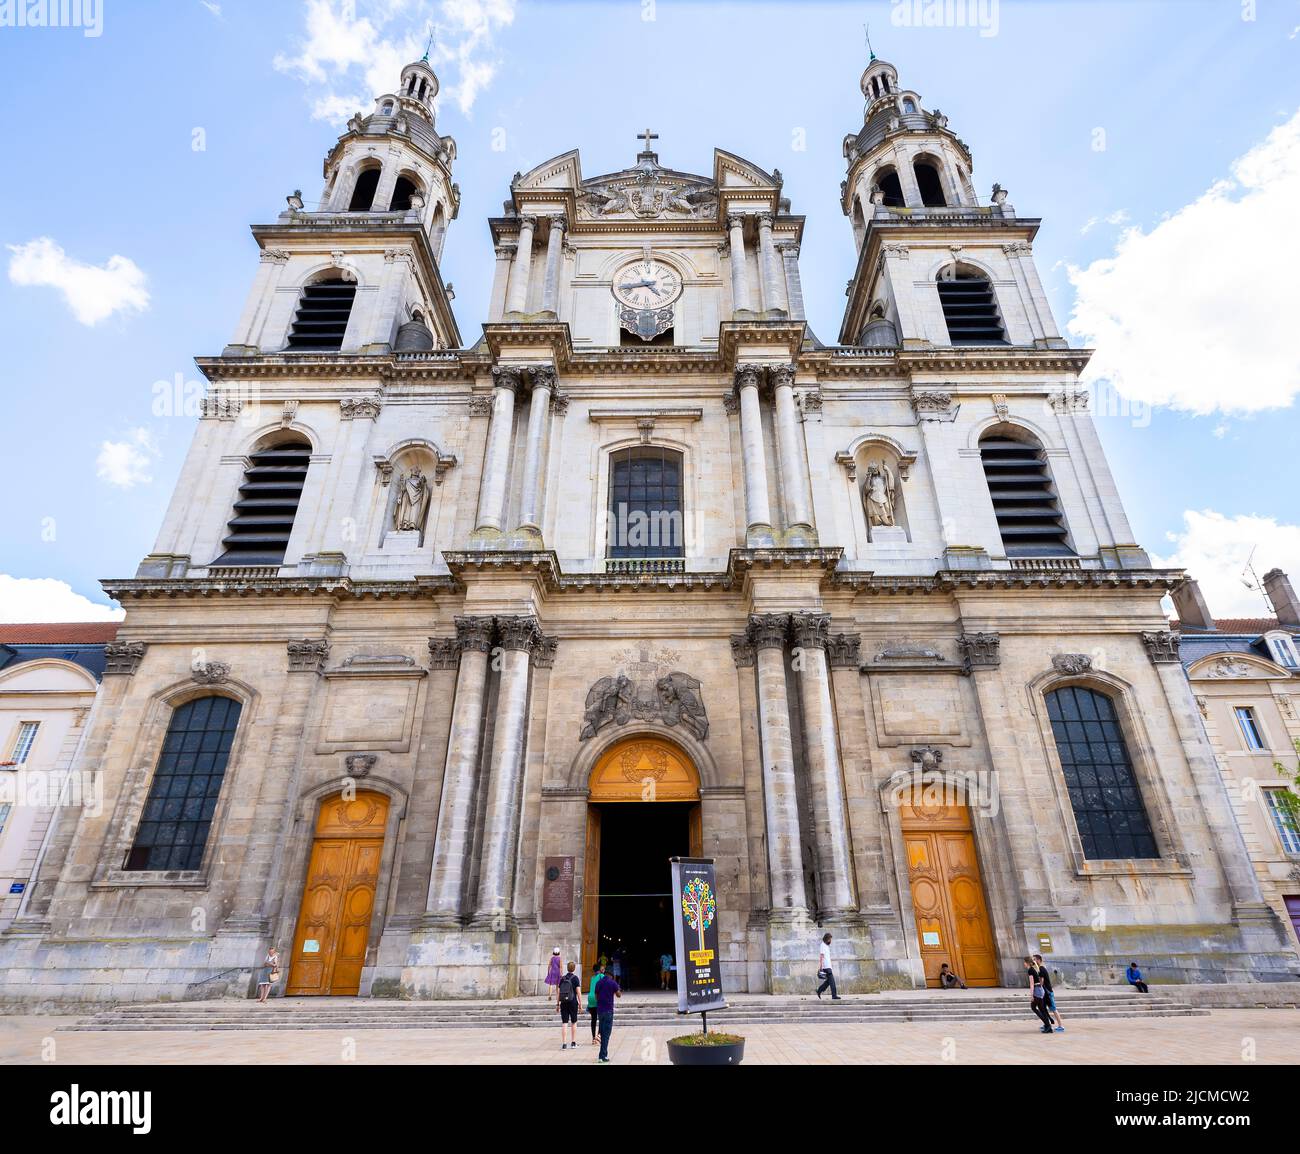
(1037,996)
(607,989)
(1048,996)
(566,1005)
(1134,976)
(949,980)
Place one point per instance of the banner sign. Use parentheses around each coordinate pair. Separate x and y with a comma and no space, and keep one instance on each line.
(695,928)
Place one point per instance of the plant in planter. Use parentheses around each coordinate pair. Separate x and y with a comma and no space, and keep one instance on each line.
(708,1048)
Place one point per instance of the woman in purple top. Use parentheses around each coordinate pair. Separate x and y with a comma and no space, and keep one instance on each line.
(553,974)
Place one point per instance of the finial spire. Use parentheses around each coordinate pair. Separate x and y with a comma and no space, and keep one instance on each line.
(866,29)
(428,48)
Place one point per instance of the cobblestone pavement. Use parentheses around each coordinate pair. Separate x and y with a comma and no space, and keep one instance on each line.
(1229,1037)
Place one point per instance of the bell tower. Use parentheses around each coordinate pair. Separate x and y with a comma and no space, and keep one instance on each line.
(937,265)
(358,272)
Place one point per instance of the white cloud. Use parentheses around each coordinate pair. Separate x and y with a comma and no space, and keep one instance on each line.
(1197,313)
(375,38)
(1214,549)
(92,292)
(24,600)
(215,9)
(127,463)
(1119,216)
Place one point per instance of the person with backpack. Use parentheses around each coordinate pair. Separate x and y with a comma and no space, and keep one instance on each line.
(566,1004)
(1038,996)
(1049,998)
(591,998)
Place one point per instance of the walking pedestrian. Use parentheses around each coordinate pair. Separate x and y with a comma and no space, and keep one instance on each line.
(270,974)
(1037,998)
(591,998)
(566,1005)
(665,971)
(824,970)
(607,989)
(553,975)
(1048,996)
(1135,978)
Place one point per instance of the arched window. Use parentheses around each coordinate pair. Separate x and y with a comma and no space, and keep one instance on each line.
(929,183)
(173,830)
(645,503)
(322,317)
(258,531)
(363,192)
(403,190)
(1099,778)
(888,183)
(909,105)
(969,308)
(1024,500)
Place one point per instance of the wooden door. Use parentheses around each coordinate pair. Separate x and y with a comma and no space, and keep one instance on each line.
(591,893)
(952,919)
(329,945)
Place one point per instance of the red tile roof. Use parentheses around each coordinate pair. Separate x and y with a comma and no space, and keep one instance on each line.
(1245,624)
(60,633)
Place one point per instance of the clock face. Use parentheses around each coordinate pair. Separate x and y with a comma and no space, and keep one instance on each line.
(646,283)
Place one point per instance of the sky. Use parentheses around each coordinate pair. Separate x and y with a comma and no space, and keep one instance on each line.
(1159,143)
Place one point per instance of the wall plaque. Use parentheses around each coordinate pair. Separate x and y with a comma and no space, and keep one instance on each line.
(557,890)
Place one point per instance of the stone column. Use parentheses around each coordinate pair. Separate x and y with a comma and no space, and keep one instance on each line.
(794,465)
(825,772)
(793,285)
(496,458)
(460,773)
(554,252)
(539,409)
(758,511)
(517,297)
(518,636)
(780,802)
(773,282)
(500,278)
(741,301)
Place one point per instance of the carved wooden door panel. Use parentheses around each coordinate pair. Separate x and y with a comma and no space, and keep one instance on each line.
(933,924)
(591,893)
(976,957)
(312,959)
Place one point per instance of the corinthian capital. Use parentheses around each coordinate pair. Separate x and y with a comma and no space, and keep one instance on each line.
(748,376)
(781,375)
(543,377)
(507,377)
(518,632)
(474,634)
(768,630)
(810,630)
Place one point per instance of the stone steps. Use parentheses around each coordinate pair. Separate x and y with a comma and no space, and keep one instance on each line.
(310,1015)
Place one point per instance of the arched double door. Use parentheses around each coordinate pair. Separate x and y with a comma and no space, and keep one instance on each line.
(643,809)
(952,918)
(329,944)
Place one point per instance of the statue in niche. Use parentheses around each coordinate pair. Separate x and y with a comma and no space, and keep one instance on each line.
(878,494)
(412,501)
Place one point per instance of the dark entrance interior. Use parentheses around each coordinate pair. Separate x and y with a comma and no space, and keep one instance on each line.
(635,917)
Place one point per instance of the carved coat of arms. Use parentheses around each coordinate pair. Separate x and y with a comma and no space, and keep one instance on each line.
(646,688)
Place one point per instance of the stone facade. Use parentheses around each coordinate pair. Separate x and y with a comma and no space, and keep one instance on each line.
(804,651)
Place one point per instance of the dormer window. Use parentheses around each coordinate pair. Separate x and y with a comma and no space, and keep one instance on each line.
(1283,650)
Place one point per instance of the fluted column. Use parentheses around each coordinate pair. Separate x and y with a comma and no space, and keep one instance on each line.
(794,463)
(554,251)
(496,458)
(825,770)
(758,510)
(793,285)
(539,408)
(460,774)
(773,281)
(741,300)
(517,297)
(780,802)
(517,636)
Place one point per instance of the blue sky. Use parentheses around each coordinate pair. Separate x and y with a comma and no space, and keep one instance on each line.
(1116,123)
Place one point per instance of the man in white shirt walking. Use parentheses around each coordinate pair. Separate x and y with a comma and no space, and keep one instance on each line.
(824,969)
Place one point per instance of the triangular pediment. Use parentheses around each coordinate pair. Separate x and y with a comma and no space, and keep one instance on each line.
(735,172)
(563,171)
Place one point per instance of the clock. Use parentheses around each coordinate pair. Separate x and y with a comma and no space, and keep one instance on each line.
(646,283)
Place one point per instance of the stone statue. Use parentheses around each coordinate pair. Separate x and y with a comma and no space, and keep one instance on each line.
(609,700)
(878,493)
(412,501)
(680,703)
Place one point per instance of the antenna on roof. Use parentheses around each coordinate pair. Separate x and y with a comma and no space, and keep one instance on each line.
(1253,581)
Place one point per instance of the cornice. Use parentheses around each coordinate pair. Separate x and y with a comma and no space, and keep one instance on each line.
(954,580)
(993,359)
(338,588)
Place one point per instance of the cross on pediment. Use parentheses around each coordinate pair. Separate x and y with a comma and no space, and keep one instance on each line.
(648,136)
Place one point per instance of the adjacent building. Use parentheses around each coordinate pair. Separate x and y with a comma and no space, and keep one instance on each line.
(446,646)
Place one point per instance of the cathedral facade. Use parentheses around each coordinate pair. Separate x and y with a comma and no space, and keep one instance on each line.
(446,647)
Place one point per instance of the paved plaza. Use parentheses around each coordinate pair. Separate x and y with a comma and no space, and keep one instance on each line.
(1226,1037)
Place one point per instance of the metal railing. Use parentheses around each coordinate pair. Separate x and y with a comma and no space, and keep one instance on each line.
(651,566)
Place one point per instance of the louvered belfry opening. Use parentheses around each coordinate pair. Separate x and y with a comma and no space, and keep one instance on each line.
(323,313)
(970,310)
(1029,515)
(258,533)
